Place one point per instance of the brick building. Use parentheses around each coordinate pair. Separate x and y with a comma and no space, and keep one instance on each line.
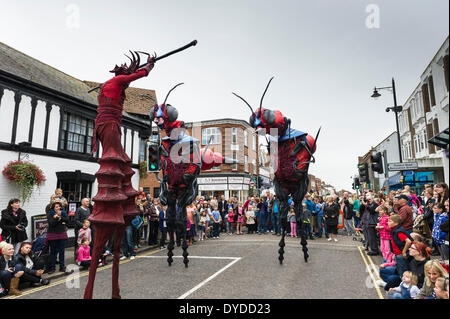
(233,138)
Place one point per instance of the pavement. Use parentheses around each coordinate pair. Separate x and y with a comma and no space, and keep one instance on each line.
(233,267)
(69,261)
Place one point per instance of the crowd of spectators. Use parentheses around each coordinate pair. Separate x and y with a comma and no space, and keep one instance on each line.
(406,229)
(410,231)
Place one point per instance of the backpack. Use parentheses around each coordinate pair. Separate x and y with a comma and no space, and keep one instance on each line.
(137,222)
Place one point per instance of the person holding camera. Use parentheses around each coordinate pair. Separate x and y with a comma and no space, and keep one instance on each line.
(371,221)
(13,223)
(57,236)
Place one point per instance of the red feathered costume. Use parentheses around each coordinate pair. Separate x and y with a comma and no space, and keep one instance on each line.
(114,206)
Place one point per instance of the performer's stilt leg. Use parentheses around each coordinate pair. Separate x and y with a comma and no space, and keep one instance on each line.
(102,233)
(118,236)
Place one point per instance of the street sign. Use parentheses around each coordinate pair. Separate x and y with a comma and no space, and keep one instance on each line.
(252,183)
(407,166)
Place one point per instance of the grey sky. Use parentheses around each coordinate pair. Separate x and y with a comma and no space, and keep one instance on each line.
(324,58)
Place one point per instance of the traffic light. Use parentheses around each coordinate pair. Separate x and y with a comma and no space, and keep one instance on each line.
(356,183)
(377,163)
(154,158)
(363,172)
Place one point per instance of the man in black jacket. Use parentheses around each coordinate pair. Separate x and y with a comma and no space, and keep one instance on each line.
(372,220)
(347,208)
(222,206)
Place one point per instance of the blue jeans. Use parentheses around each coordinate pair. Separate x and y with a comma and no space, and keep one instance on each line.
(356,220)
(321,228)
(401,264)
(216,229)
(276,223)
(307,229)
(269,221)
(57,248)
(390,276)
(394,295)
(5,278)
(127,242)
(262,223)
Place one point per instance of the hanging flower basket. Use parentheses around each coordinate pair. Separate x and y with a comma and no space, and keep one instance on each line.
(24,175)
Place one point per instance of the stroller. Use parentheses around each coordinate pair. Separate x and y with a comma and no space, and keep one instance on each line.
(41,250)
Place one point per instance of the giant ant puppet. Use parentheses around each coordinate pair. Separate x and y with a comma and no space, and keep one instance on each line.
(114,204)
(291,153)
(180,162)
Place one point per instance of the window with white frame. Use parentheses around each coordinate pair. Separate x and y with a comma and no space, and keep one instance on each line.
(424,136)
(246,163)
(235,166)
(254,166)
(415,143)
(245,138)
(234,135)
(254,142)
(213,132)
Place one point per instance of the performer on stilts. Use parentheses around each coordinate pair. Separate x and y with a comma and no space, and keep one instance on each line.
(291,153)
(114,204)
(180,162)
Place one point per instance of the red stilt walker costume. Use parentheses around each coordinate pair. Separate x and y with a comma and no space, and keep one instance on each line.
(114,206)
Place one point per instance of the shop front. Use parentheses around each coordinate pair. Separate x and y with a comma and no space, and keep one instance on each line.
(227,185)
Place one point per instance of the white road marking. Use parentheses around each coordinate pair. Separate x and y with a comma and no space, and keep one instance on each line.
(234,260)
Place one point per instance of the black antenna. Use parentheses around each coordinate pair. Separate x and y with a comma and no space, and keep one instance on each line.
(244,102)
(262,98)
(171,91)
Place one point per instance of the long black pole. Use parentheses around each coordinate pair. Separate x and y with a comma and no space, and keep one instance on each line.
(398,131)
(396,121)
(193,43)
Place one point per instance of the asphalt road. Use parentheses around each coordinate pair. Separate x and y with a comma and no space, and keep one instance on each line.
(234,267)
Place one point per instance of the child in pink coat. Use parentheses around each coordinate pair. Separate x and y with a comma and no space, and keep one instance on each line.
(84,253)
(385,235)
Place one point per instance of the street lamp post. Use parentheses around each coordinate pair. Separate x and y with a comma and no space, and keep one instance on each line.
(396,109)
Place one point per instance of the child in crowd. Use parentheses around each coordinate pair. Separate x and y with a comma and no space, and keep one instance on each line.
(230,219)
(400,243)
(201,226)
(188,232)
(408,287)
(441,288)
(433,271)
(84,253)
(385,234)
(250,216)
(293,222)
(85,232)
(438,235)
(239,219)
(306,219)
(217,220)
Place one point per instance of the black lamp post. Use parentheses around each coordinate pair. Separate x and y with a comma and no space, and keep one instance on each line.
(396,109)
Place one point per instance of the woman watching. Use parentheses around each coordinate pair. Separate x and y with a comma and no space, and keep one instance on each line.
(13,223)
(31,266)
(57,236)
(9,275)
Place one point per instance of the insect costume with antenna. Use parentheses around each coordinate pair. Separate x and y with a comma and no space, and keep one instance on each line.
(291,153)
(181,161)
